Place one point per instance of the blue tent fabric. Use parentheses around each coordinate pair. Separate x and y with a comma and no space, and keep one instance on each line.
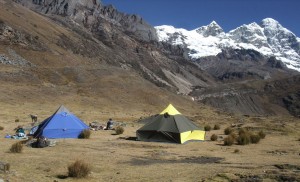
(62,124)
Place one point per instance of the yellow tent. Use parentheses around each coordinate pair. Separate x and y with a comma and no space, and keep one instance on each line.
(170,126)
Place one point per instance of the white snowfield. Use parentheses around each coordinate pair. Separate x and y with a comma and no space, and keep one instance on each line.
(269,38)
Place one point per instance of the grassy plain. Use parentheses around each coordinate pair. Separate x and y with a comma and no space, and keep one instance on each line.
(121,158)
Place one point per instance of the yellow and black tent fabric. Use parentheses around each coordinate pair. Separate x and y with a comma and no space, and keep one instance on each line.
(170,126)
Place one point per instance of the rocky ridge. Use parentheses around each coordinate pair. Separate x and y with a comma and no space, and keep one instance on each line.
(90,13)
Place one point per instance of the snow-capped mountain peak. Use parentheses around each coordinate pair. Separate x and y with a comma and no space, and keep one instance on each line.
(213,29)
(270,22)
(269,38)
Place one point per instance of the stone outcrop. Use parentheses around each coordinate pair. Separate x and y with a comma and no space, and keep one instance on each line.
(9,36)
(91,13)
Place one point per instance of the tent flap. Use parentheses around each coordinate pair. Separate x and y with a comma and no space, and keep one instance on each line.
(192,135)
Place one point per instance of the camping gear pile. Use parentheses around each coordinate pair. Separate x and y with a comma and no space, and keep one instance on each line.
(110,125)
(96,126)
(20,134)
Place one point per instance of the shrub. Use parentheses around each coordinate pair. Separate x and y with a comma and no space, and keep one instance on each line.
(217,127)
(236,150)
(261,134)
(119,130)
(17,120)
(228,130)
(233,135)
(228,141)
(243,139)
(6,167)
(85,134)
(254,138)
(207,128)
(1,128)
(79,169)
(213,137)
(243,131)
(16,147)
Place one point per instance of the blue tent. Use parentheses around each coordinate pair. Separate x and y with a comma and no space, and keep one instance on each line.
(62,124)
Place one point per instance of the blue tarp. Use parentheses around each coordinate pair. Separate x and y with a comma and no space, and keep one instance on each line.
(62,124)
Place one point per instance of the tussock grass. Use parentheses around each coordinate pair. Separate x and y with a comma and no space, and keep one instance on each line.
(261,134)
(79,169)
(217,127)
(233,135)
(243,131)
(213,137)
(7,167)
(85,134)
(254,138)
(236,151)
(228,130)
(244,138)
(228,141)
(16,147)
(119,130)
(207,127)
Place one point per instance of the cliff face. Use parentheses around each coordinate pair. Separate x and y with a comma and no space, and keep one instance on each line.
(90,14)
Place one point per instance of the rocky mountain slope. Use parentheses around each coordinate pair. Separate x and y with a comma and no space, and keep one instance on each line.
(93,54)
(127,35)
(53,60)
(91,14)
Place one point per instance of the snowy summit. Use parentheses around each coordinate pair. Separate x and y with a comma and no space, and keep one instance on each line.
(268,37)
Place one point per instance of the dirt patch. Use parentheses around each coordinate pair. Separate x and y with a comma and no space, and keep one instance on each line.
(142,145)
(274,176)
(278,152)
(196,160)
(288,166)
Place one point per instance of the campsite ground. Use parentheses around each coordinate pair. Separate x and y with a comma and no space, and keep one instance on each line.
(121,158)
(96,91)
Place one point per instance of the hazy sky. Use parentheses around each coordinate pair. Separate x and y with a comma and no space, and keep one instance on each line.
(229,14)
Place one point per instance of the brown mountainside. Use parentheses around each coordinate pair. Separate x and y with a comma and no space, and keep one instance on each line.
(88,54)
(47,63)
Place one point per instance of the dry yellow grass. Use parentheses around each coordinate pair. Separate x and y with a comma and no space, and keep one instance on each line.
(113,158)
